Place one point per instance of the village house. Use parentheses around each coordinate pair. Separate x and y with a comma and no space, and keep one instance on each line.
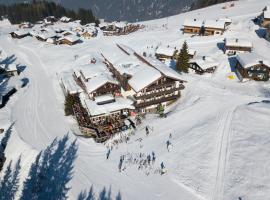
(252,66)
(65,19)
(19,34)
(265,17)
(101,85)
(168,53)
(44,36)
(25,25)
(232,46)
(145,80)
(213,27)
(9,70)
(107,110)
(69,40)
(192,26)
(165,52)
(204,28)
(96,80)
(50,20)
(201,65)
(69,84)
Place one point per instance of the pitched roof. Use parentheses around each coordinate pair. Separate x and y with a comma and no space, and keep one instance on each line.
(98,81)
(69,82)
(250,59)
(193,22)
(94,109)
(238,42)
(164,50)
(204,62)
(219,24)
(266,14)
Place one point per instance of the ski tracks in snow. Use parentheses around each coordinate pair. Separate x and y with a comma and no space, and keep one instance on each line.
(224,132)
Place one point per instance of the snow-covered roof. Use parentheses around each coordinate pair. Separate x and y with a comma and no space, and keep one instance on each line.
(98,81)
(164,50)
(92,70)
(250,59)
(238,42)
(65,19)
(46,35)
(204,62)
(143,77)
(226,20)
(71,38)
(11,67)
(104,98)
(218,24)
(163,68)
(120,24)
(266,14)
(21,32)
(94,109)
(193,22)
(69,82)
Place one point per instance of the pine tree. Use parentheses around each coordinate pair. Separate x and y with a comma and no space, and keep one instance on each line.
(183,59)
(69,102)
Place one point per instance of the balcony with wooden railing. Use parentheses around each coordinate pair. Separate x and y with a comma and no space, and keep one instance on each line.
(160,92)
(157,101)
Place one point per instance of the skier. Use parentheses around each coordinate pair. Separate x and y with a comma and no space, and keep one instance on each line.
(120,163)
(162,168)
(108,153)
(153,157)
(168,143)
(147,130)
(170,136)
(149,159)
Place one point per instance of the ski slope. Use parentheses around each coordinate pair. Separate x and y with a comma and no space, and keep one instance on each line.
(220,138)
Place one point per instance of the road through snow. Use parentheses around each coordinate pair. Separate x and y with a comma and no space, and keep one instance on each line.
(37,111)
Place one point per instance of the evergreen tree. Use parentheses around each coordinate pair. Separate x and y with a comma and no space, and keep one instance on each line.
(69,102)
(38,10)
(183,59)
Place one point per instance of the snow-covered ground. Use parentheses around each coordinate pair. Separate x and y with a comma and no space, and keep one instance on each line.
(220,127)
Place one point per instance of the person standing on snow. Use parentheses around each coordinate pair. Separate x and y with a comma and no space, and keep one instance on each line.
(108,153)
(149,159)
(147,130)
(153,157)
(162,166)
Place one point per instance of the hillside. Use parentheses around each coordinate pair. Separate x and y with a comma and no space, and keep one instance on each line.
(220,126)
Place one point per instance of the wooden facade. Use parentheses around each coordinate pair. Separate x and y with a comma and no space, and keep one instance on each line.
(162,91)
(107,88)
(213,31)
(265,22)
(192,30)
(163,57)
(68,42)
(258,72)
(199,70)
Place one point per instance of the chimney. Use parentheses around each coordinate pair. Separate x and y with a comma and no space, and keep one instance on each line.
(236,40)
(261,62)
